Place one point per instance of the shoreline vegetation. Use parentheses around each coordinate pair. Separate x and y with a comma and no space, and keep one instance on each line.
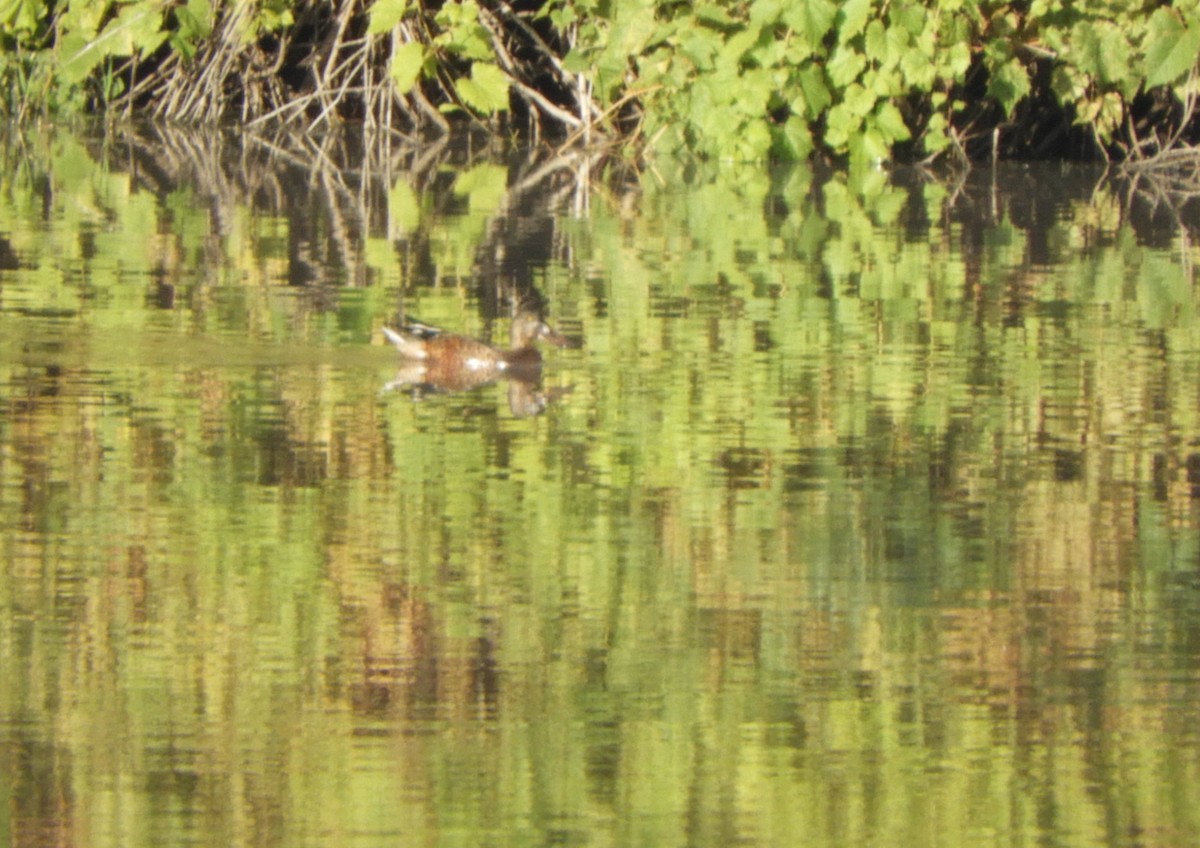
(860,81)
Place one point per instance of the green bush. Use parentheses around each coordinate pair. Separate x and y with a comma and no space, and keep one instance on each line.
(865,80)
(862,77)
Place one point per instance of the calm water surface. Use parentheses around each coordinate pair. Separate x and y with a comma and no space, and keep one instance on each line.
(861,510)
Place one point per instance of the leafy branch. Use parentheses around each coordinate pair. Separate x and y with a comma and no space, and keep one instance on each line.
(860,80)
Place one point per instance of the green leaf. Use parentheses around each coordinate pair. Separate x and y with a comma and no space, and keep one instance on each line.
(937,133)
(751,143)
(919,73)
(875,40)
(859,100)
(484,186)
(385,14)
(80,58)
(1107,114)
(844,66)
(576,62)
(869,147)
(78,16)
(751,93)
(841,125)
(404,209)
(853,14)
(714,16)
(700,46)
(633,28)
(20,17)
(911,18)
(1171,48)
(1085,50)
(811,83)
(884,83)
(1099,48)
(1068,84)
(811,20)
(793,140)
(1009,84)
(734,49)
(462,34)
(195,20)
(956,59)
(405,66)
(561,16)
(137,29)
(487,89)
(890,123)
(767,12)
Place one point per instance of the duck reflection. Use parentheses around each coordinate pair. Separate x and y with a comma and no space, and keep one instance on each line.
(434,360)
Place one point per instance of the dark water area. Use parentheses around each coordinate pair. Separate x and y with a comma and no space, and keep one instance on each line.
(858,509)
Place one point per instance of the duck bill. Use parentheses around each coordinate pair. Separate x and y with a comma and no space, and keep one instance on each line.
(552,336)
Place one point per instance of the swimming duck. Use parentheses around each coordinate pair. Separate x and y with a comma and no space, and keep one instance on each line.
(450,362)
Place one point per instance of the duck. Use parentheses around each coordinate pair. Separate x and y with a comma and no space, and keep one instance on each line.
(449,362)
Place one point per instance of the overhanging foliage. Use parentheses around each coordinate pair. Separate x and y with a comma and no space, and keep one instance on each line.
(864,79)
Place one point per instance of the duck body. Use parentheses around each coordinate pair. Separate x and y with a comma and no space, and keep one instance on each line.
(452,362)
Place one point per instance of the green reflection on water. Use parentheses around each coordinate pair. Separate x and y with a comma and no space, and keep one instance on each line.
(861,514)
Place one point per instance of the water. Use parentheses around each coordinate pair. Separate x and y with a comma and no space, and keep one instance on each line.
(862,510)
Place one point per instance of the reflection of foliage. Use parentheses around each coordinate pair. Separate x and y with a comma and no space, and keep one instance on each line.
(859,478)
